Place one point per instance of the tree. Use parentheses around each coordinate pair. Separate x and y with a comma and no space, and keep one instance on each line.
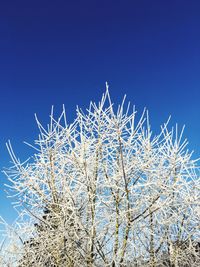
(114,194)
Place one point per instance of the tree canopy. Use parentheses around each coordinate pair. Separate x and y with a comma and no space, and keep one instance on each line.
(105,191)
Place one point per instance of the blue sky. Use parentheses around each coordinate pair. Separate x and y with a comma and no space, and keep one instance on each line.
(62,52)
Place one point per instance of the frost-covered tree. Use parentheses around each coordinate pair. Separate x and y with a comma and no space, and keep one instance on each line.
(105,191)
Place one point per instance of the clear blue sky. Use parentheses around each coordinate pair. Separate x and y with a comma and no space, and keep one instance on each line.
(62,52)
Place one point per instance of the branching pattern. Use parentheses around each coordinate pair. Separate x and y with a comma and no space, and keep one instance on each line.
(105,191)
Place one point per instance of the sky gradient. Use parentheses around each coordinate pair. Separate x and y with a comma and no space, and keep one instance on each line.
(63,52)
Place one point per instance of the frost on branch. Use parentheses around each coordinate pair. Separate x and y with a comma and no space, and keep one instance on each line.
(105,191)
